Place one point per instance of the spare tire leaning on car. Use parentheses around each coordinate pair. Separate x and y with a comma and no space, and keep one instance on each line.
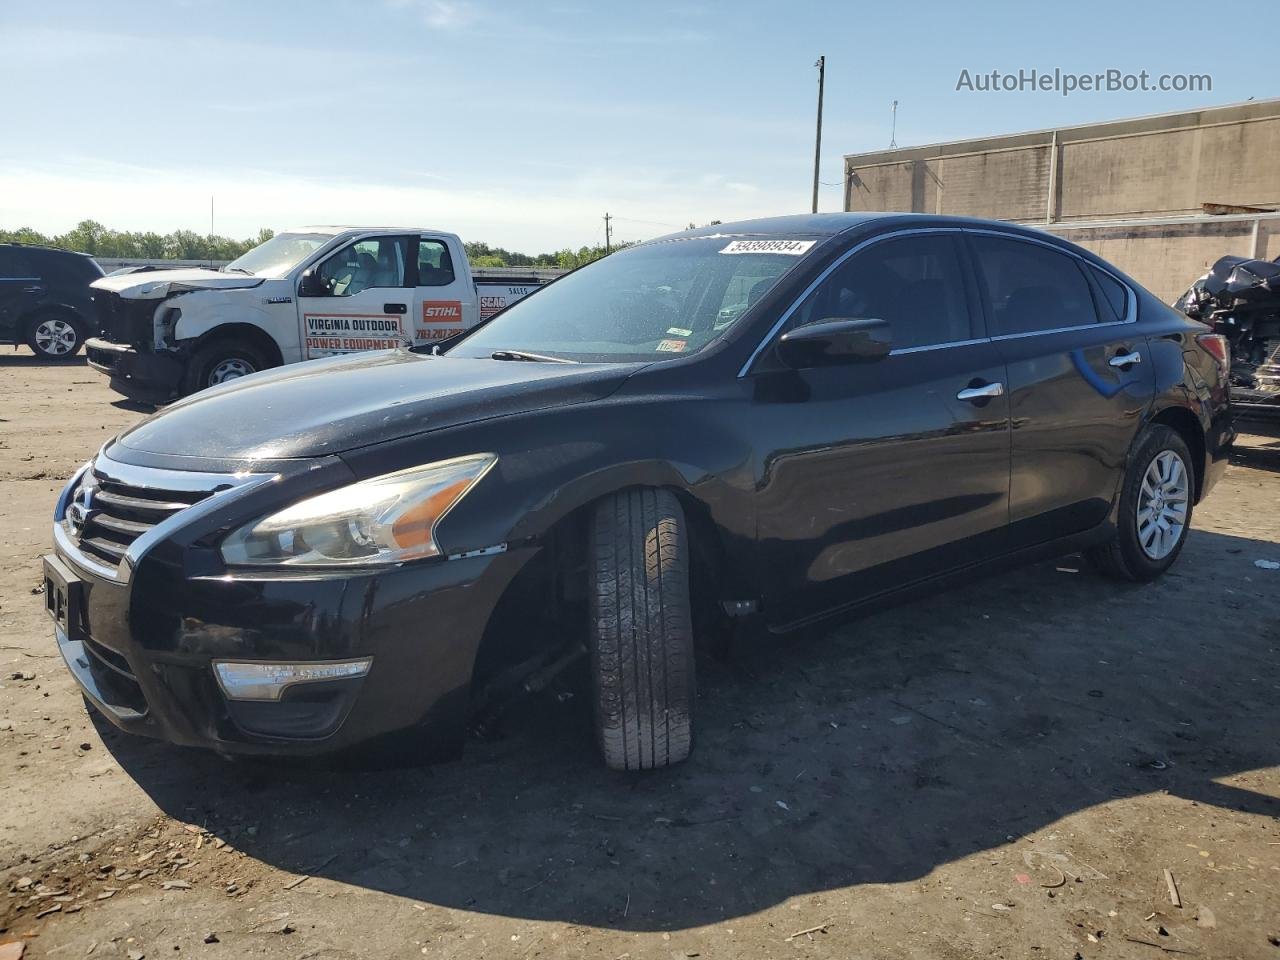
(642,658)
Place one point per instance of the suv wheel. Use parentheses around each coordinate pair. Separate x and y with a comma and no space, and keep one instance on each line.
(1155,509)
(642,660)
(219,361)
(55,336)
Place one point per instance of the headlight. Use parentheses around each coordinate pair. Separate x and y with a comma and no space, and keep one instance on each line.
(387,519)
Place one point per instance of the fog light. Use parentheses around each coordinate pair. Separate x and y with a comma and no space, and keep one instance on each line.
(268,681)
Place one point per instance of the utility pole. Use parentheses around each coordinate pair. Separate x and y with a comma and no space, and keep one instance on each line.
(607,248)
(211,231)
(817,144)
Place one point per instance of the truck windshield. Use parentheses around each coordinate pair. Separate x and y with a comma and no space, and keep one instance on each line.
(651,302)
(279,255)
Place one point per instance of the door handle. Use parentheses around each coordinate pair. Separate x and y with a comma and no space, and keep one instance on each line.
(393,308)
(35,289)
(1125,359)
(984,392)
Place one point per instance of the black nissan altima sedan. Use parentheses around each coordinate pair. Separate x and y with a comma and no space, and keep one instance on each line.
(782,420)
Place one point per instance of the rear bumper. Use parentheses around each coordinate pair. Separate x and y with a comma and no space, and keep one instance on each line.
(150,377)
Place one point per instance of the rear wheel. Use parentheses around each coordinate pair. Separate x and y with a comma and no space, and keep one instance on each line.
(220,361)
(55,336)
(1155,509)
(642,659)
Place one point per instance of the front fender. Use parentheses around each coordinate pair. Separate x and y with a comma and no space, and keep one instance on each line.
(200,319)
(555,463)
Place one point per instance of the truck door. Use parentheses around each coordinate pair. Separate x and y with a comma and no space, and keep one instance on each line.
(359,298)
(444,303)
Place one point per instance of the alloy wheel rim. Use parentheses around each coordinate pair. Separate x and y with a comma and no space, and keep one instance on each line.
(56,338)
(230,369)
(1162,505)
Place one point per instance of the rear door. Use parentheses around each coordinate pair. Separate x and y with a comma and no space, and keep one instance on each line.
(19,288)
(366,300)
(1080,379)
(444,303)
(887,472)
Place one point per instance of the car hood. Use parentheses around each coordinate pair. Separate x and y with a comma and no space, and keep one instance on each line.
(339,403)
(157,284)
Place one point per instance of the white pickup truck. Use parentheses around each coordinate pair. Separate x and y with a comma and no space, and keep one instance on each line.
(305,293)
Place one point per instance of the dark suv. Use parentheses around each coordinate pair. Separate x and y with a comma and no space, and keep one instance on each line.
(45,300)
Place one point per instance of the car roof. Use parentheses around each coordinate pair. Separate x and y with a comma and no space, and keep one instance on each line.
(333,229)
(816,225)
(43,248)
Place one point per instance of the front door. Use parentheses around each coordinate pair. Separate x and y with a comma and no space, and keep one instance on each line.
(364,300)
(443,304)
(1080,379)
(886,472)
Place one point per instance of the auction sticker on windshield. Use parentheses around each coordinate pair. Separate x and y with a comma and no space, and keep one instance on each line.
(330,334)
(792,248)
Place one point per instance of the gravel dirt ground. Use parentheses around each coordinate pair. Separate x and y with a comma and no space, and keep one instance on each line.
(1005,770)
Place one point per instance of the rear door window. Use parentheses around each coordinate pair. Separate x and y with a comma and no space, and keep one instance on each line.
(914,282)
(15,265)
(1031,288)
(435,266)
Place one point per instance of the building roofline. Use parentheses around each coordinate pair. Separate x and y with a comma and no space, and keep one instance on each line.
(1098,129)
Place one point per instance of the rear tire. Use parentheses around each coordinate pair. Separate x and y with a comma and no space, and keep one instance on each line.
(219,361)
(1155,509)
(56,335)
(642,659)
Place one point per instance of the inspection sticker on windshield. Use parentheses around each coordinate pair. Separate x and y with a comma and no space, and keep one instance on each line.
(672,346)
(792,248)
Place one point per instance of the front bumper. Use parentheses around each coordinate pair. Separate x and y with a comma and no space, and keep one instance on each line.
(142,645)
(148,377)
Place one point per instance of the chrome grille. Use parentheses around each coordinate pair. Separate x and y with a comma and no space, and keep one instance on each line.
(113,512)
(118,513)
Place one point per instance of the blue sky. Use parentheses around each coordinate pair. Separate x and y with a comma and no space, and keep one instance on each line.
(521,124)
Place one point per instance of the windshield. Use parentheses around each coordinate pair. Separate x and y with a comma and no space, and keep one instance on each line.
(279,255)
(651,302)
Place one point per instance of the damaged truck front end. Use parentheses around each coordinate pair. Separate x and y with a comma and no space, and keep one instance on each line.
(127,352)
(143,348)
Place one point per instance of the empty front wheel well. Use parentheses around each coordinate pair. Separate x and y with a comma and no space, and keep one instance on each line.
(1188,427)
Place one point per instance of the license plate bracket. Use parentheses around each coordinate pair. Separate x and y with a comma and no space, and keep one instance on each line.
(64,597)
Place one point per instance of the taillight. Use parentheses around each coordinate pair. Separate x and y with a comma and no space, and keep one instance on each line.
(1215,344)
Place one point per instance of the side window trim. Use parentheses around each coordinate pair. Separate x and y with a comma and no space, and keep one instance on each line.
(836,264)
(1131,299)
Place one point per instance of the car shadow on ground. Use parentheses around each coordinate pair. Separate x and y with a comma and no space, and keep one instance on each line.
(1262,453)
(28,359)
(870,755)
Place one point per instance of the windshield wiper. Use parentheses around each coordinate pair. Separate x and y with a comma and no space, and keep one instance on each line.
(522,355)
(230,269)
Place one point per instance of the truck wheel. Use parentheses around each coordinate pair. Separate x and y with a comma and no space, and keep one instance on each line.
(55,335)
(219,361)
(642,662)
(1155,509)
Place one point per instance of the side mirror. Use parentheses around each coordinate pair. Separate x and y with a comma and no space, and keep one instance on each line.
(311,285)
(835,341)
